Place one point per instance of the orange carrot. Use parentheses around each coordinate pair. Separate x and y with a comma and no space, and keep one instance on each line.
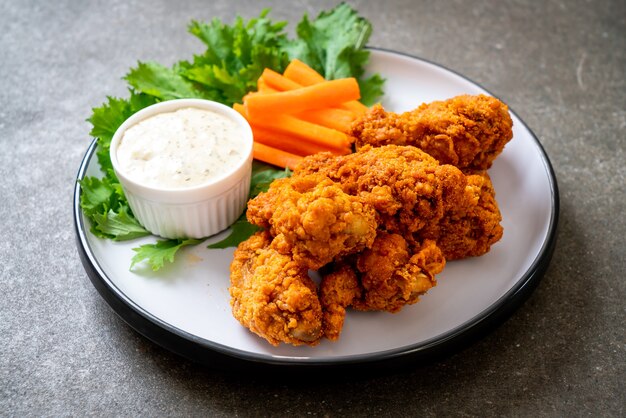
(263,87)
(312,132)
(287,125)
(299,113)
(275,156)
(335,118)
(278,81)
(241,109)
(317,96)
(304,75)
(291,143)
(355,107)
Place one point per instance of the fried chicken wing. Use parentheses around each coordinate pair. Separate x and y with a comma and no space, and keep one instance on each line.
(472,227)
(313,219)
(408,188)
(418,198)
(386,277)
(340,287)
(393,276)
(272,295)
(466,131)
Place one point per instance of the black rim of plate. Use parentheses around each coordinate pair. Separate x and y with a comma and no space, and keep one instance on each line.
(223,357)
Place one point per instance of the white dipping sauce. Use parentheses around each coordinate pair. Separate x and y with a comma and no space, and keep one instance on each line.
(180,149)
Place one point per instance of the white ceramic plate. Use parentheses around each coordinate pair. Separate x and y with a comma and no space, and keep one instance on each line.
(185,306)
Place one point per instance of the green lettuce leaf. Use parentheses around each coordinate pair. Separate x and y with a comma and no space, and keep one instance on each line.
(104,203)
(120,225)
(240,231)
(108,117)
(162,251)
(235,56)
(161,82)
(333,44)
(263,175)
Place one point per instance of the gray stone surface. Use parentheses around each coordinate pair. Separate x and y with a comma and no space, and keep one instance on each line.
(560,65)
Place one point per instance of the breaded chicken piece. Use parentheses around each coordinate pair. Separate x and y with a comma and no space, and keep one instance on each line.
(392,275)
(381,221)
(313,220)
(408,188)
(471,228)
(272,295)
(456,210)
(386,277)
(340,287)
(466,131)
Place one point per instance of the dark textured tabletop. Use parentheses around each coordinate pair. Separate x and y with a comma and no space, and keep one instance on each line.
(560,65)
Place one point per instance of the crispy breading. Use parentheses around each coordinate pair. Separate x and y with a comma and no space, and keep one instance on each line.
(313,219)
(468,229)
(418,198)
(386,277)
(339,288)
(272,295)
(408,188)
(392,276)
(467,131)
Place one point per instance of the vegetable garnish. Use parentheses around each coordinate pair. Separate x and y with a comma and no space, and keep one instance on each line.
(104,203)
(290,120)
(235,57)
(164,250)
(333,45)
(324,95)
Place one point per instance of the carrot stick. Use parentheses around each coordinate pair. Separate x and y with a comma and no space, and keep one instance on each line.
(304,75)
(274,156)
(241,109)
(312,132)
(355,107)
(263,87)
(287,125)
(291,144)
(278,81)
(317,96)
(335,118)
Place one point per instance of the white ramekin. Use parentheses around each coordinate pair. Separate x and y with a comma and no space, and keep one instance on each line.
(191,212)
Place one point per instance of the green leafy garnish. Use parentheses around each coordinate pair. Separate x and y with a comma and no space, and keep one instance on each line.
(120,225)
(240,231)
(333,44)
(262,176)
(157,254)
(236,55)
(234,58)
(161,82)
(103,201)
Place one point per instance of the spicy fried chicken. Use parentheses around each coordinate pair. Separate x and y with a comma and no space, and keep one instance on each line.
(313,220)
(380,222)
(408,188)
(272,295)
(386,277)
(466,131)
(470,228)
(418,198)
